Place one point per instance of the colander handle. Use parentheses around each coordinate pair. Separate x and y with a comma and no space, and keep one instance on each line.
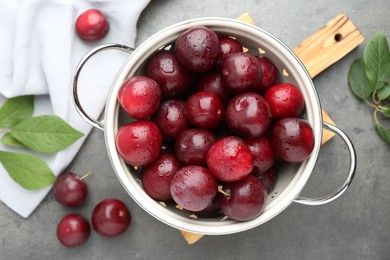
(352,168)
(84,59)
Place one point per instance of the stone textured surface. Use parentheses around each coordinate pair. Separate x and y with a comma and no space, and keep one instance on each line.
(355,226)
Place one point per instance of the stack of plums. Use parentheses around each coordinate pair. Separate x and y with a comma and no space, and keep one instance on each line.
(212,121)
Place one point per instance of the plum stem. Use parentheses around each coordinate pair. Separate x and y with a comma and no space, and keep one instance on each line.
(220,189)
(86,175)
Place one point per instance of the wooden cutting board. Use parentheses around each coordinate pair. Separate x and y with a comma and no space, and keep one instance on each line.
(318,52)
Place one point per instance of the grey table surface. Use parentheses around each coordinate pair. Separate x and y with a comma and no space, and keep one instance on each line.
(355,226)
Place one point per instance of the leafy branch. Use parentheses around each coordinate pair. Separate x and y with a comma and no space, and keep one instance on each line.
(46,134)
(368,79)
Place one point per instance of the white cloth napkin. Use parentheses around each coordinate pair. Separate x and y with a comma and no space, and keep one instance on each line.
(39,51)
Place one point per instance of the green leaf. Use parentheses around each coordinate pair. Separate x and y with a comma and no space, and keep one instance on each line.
(358,81)
(28,170)
(383,132)
(45,134)
(7,139)
(377,60)
(384,92)
(15,110)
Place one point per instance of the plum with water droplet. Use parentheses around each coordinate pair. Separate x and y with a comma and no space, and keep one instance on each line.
(139,96)
(248,115)
(157,176)
(241,72)
(198,48)
(193,187)
(170,117)
(192,145)
(292,139)
(229,159)
(172,77)
(205,110)
(139,142)
(285,100)
(244,199)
